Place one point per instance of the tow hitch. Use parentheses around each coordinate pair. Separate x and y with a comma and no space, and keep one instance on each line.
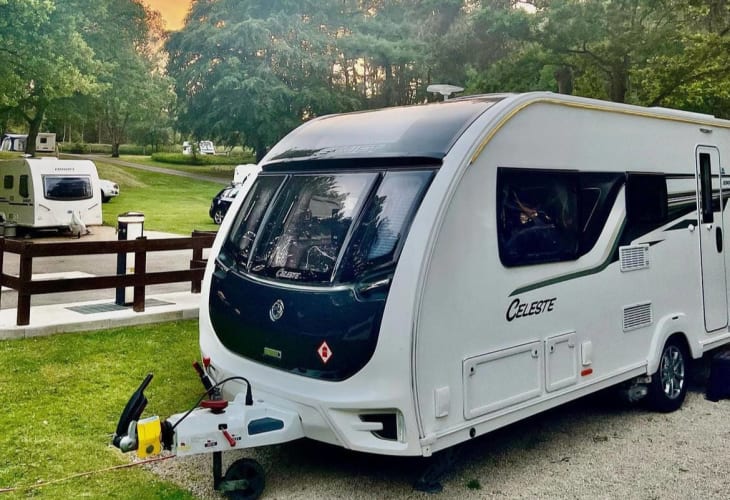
(214,425)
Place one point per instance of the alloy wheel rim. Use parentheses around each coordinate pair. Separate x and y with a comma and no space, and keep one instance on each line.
(672,372)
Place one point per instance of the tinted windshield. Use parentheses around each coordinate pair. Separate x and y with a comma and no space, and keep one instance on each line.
(313,227)
(67,188)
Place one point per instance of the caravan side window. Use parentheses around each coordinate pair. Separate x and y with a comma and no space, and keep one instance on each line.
(23,186)
(537,216)
(8,182)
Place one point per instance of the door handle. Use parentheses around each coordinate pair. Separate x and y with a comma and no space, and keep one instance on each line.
(718,239)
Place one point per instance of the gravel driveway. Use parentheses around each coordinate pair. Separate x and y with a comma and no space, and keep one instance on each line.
(592,448)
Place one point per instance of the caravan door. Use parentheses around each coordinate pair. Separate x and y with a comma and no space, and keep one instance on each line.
(714,289)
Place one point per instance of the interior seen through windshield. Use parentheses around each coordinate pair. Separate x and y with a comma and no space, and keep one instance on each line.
(308,232)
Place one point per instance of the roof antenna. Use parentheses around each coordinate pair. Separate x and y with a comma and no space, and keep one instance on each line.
(444,90)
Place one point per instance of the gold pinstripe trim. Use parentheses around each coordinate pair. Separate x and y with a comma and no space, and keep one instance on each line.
(648,113)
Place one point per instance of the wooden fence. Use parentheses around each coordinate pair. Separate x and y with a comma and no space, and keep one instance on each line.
(28,250)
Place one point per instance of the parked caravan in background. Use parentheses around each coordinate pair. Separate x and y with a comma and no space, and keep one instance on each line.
(241,172)
(204,147)
(46,192)
(13,142)
(45,142)
(402,280)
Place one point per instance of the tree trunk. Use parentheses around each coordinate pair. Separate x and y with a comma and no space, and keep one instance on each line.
(260,151)
(564,77)
(115,148)
(34,126)
(389,89)
(618,82)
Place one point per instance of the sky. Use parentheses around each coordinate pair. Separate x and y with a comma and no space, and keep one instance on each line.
(173,11)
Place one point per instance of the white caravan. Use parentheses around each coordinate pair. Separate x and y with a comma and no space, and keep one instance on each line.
(46,192)
(45,142)
(241,172)
(204,147)
(402,280)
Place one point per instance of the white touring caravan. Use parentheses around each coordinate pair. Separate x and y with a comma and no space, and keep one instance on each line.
(45,142)
(403,280)
(47,192)
(241,172)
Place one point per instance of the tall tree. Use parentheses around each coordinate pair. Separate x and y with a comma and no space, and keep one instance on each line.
(646,52)
(43,58)
(251,72)
(133,88)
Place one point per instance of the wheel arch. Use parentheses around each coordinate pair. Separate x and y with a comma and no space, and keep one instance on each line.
(670,327)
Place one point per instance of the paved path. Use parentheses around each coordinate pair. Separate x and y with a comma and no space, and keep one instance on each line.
(161,170)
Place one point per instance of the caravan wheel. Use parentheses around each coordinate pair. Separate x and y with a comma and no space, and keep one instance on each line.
(218,216)
(244,480)
(668,386)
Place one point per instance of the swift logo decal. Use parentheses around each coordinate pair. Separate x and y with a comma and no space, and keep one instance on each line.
(288,275)
(518,309)
(277,310)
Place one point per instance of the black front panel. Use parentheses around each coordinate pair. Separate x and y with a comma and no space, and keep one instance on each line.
(328,333)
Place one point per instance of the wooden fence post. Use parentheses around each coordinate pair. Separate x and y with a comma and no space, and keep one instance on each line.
(197,257)
(25,275)
(140,269)
(2,261)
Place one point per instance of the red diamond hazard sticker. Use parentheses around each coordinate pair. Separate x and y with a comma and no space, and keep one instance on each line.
(325,353)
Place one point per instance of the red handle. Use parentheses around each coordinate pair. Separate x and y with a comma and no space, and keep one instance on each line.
(230,439)
(214,404)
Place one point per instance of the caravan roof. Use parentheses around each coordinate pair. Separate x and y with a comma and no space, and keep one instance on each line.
(425,131)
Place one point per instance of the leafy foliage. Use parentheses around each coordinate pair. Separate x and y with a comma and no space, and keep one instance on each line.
(43,58)
(246,73)
(74,58)
(639,51)
(181,159)
(249,73)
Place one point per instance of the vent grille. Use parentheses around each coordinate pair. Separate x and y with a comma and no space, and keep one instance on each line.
(637,316)
(634,257)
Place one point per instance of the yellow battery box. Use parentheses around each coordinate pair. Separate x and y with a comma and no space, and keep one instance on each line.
(149,437)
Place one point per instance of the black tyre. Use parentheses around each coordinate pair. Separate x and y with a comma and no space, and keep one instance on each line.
(252,473)
(668,386)
(105,199)
(218,216)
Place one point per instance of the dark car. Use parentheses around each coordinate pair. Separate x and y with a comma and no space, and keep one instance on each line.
(222,201)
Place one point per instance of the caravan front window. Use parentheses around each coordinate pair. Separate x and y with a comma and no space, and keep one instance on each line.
(308,222)
(57,187)
(321,228)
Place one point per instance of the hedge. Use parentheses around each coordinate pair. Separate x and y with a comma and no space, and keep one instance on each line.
(181,159)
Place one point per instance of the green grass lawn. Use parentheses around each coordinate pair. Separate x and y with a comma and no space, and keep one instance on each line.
(62,395)
(169,203)
(61,398)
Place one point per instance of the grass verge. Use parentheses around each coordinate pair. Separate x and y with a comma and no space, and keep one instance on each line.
(224,172)
(61,399)
(170,203)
